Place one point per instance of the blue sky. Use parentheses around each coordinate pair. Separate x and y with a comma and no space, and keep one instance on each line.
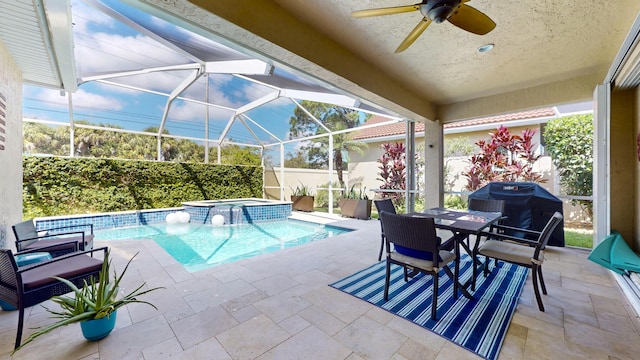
(104,44)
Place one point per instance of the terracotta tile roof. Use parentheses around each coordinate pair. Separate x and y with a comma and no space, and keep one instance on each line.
(523,115)
(400,127)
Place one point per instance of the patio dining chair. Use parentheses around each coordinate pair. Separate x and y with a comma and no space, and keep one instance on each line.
(415,243)
(56,241)
(488,205)
(521,251)
(25,286)
(383,205)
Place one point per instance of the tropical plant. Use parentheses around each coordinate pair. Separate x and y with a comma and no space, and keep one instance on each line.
(96,143)
(232,154)
(569,140)
(95,300)
(302,190)
(322,196)
(352,193)
(505,157)
(454,202)
(315,120)
(393,171)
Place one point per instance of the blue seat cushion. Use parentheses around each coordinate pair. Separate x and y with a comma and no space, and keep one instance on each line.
(418,254)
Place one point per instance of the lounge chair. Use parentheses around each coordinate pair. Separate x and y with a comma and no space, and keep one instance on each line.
(521,251)
(413,238)
(29,285)
(56,241)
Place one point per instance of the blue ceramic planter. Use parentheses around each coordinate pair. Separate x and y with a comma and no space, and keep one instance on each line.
(94,330)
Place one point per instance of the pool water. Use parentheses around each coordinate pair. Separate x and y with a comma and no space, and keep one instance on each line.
(200,246)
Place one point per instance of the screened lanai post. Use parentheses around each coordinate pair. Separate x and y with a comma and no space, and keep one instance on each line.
(281,171)
(72,130)
(206,120)
(410,180)
(331,172)
(433,190)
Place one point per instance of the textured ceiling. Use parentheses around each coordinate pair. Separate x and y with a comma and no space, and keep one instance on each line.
(546,52)
(535,42)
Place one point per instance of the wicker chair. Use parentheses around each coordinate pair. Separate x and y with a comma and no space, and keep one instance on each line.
(58,241)
(418,234)
(521,251)
(383,205)
(488,205)
(29,285)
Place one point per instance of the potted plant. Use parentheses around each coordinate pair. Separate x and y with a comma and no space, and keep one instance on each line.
(302,198)
(355,204)
(94,306)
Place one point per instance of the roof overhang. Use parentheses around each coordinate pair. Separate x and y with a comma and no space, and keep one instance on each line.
(38,34)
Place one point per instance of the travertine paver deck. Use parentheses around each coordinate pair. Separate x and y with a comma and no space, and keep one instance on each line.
(278,306)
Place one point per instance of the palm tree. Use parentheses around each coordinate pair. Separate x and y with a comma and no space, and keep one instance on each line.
(334,118)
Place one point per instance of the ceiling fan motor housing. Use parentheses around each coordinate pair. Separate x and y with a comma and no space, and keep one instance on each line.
(439,10)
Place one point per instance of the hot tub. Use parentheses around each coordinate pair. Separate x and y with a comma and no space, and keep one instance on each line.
(237,211)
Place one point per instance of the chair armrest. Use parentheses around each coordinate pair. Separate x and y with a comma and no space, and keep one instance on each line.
(512,228)
(70,227)
(63,257)
(499,236)
(56,245)
(81,233)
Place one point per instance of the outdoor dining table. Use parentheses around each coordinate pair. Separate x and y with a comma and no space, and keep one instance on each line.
(462,224)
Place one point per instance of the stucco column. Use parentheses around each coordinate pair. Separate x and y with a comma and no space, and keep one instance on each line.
(10,147)
(433,164)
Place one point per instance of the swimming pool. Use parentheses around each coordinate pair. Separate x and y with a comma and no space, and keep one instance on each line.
(200,246)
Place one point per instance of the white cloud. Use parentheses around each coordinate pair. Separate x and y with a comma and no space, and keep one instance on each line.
(53,99)
(253,91)
(85,15)
(97,101)
(189,111)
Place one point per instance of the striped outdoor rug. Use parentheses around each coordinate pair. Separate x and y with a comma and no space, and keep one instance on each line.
(477,324)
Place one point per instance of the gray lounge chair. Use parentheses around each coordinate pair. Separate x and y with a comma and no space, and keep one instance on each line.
(29,285)
(56,241)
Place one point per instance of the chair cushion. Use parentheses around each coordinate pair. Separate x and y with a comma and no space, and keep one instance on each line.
(427,265)
(509,251)
(66,268)
(426,255)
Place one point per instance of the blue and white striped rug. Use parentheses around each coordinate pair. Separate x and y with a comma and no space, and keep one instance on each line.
(479,324)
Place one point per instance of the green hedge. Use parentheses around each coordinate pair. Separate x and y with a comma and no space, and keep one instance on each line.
(61,186)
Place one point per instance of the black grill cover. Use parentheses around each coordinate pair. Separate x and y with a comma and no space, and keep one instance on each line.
(527,206)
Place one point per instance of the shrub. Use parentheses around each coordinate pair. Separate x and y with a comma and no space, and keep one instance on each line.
(63,186)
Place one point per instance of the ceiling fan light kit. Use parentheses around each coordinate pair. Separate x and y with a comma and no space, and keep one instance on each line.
(485,48)
(439,11)
(457,12)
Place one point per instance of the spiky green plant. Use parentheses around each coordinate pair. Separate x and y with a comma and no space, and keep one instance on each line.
(302,190)
(93,301)
(352,193)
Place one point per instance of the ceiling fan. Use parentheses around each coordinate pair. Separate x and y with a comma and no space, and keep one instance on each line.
(455,11)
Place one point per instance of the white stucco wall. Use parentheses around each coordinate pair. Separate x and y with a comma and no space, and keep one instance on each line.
(11,156)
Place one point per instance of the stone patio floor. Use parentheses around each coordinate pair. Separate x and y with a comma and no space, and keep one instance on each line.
(279,306)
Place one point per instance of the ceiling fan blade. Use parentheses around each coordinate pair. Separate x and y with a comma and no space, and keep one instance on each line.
(472,20)
(414,34)
(385,11)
